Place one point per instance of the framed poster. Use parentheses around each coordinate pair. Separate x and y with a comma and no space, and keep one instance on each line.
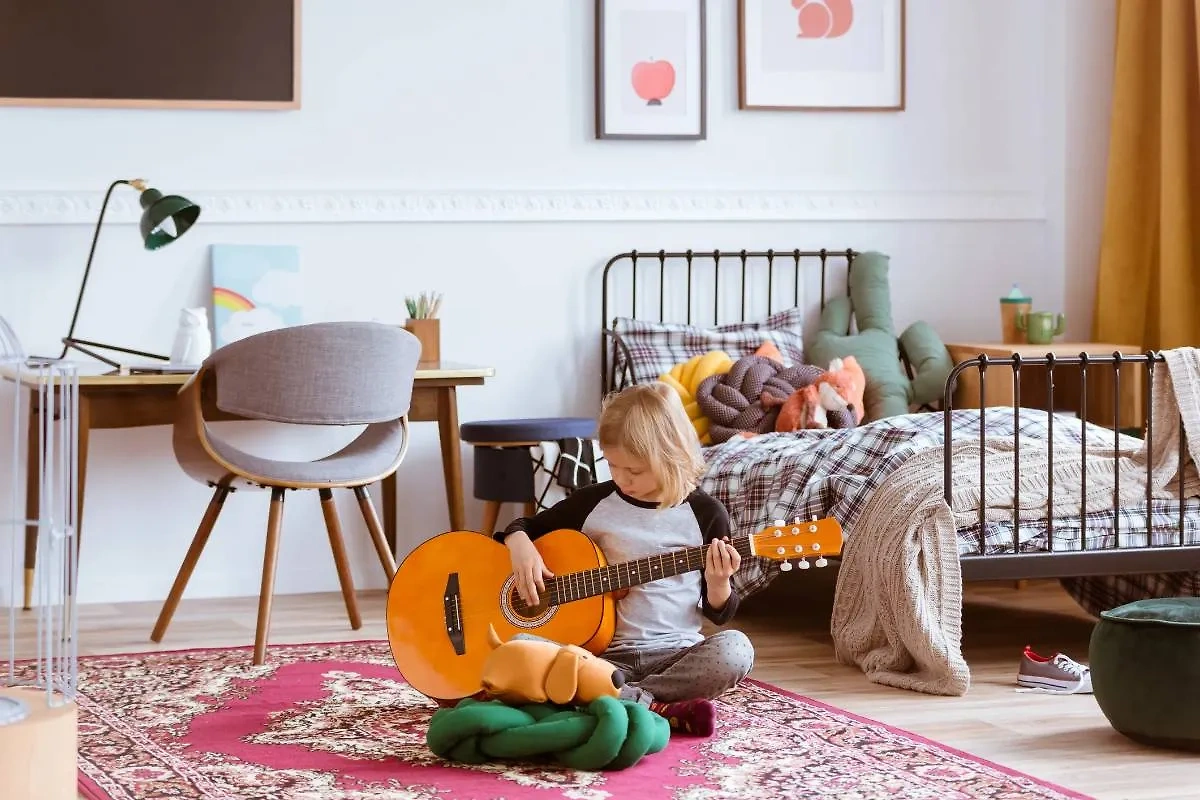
(255,288)
(650,69)
(821,55)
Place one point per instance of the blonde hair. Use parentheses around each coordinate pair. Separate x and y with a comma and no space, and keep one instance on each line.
(648,421)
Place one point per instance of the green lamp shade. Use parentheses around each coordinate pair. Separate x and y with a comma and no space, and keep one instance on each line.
(161,209)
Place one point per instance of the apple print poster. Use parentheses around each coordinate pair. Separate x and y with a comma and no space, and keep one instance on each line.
(821,54)
(651,79)
(654,55)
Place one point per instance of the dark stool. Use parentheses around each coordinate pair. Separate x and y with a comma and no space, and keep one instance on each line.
(505,466)
(1145,661)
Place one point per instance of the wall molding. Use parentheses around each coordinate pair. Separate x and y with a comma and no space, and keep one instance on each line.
(68,207)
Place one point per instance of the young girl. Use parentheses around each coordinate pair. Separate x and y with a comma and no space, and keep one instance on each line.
(652,505)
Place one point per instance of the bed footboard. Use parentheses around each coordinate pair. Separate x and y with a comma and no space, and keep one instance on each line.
(1158,535)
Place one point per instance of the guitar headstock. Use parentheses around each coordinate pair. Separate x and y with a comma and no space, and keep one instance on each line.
(799,541)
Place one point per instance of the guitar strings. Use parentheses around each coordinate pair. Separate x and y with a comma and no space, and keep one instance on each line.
(588,583)
(612,577)
(599,580)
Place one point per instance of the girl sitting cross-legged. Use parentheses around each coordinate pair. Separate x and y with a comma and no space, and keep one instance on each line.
(651,505)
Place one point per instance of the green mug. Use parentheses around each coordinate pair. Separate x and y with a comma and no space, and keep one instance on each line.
(1040,327)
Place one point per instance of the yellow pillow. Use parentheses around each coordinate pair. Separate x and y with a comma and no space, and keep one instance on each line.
(685,378)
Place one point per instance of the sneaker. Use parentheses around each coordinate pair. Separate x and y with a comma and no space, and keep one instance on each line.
(1059,674)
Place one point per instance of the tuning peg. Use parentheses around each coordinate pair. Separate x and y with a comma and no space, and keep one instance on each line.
(779,523)
(785,566)
(821,561)
(803,563)
(816,546)
(813,518)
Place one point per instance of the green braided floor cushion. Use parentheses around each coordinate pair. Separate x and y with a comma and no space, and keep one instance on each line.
(1145,661)
(608,734)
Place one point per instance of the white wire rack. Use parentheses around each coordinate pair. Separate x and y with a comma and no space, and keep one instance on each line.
(40,643)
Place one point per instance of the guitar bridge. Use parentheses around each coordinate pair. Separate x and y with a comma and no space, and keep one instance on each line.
(452,607)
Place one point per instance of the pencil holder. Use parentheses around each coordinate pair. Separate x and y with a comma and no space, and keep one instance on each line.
(428,333)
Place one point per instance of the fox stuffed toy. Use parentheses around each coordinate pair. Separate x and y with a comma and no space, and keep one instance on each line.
(839,390)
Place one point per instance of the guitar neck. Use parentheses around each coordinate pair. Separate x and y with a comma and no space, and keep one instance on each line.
(590,582)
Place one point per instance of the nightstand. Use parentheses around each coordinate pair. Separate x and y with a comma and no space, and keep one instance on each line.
(999,382)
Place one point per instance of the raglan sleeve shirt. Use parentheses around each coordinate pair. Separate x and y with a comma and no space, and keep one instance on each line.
(714,524)
(573,511)
(570,512)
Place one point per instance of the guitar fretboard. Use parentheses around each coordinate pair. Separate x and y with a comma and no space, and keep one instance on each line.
(588,583)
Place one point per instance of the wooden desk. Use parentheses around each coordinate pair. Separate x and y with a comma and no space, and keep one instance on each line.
(999,387)
(133,401)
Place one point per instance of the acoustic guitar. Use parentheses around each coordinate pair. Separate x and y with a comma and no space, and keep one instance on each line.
(451,588)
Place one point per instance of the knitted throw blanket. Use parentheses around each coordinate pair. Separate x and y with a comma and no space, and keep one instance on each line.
(898,606)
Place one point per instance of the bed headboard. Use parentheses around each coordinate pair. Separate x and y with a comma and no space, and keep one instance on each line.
(704,288)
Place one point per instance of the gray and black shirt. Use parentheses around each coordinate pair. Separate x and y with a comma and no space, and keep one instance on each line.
(661,613)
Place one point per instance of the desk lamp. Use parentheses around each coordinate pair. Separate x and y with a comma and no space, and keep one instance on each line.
(164,219)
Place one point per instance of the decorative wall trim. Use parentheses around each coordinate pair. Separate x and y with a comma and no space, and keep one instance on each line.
(497,205)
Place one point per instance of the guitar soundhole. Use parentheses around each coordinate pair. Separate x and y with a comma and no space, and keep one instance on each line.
(517,613)
(526,611)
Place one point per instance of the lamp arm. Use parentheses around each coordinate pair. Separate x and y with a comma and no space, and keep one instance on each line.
(87,269)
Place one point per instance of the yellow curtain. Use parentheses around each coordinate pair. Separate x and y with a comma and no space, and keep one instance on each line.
(1148,282)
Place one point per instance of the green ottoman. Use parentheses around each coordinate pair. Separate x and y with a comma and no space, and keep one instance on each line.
(1145,661)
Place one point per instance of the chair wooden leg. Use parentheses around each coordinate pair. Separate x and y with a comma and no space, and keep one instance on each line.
(270,559)
(491,515)
(338,546)
(189,562)
(386,558)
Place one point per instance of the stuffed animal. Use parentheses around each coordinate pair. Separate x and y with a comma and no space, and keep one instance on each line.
(734,401)
(889,392)
(845,376)
(835,399)
(806,408)
(522,671)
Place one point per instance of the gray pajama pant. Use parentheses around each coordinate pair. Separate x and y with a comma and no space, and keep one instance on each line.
(703,670)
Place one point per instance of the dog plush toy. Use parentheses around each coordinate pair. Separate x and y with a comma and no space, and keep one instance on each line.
(522,671)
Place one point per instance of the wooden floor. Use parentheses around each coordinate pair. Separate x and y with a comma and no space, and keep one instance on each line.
(1064,739)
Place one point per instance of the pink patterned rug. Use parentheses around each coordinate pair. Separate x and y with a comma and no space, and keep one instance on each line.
(336,722)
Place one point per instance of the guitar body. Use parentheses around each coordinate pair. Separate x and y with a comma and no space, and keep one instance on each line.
(453,586)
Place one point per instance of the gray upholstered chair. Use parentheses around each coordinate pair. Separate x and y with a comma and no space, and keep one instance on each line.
(328,373)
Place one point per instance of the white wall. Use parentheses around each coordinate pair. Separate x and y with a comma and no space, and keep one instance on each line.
(1088,57)
(432,140)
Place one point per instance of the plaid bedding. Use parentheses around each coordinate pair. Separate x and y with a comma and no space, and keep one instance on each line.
(832,473)
(657,347)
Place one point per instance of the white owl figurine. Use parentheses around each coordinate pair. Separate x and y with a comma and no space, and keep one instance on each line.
(193,341)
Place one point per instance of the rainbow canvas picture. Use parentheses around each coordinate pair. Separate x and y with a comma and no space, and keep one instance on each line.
(255,288)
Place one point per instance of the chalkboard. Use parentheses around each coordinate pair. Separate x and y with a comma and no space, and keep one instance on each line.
(150,53)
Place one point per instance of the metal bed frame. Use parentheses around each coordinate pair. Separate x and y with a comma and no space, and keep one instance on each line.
(789,265)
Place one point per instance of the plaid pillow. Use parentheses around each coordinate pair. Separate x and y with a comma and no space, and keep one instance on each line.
(656,347)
